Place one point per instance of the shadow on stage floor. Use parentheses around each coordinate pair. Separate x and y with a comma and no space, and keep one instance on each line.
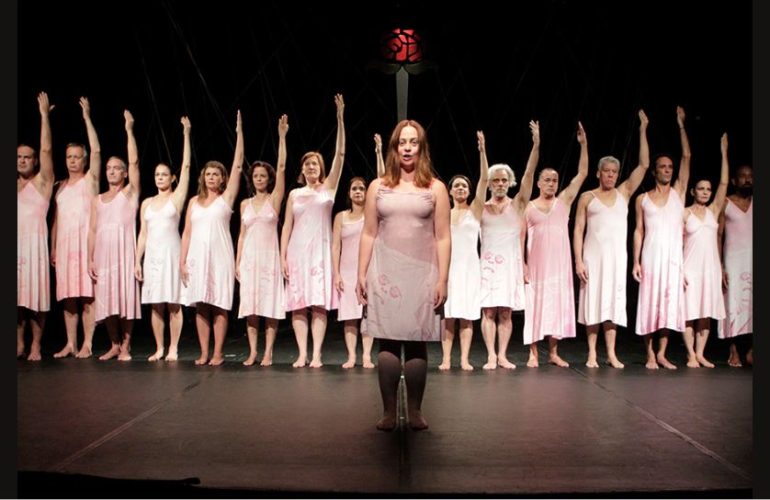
(138,429)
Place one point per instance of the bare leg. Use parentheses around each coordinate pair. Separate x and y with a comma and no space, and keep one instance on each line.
(89,323)
(661,357)
(735,359)
(21,324)
(415,374)
(446,344)
(318,328)
(689,343)
(113,330)
(533,362)
(610,332)
(592,334)
(750,356)
(176,320)
(271,327)
(366,342)
(466,335)
(158,327)
(203,326)
(504,330)
(299,323)
(652,363)
(126,327)
(488,332)
(220,331)
(553,353)
(351,340)
(252,325)
(701,337)
(388,374)
(37,324)
(70,306)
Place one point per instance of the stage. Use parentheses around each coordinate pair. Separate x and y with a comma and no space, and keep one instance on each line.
(91,428)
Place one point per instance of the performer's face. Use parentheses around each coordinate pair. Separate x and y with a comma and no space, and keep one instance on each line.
(76,159)
(701,192)
(664,170)
(499,184)
(408,147)
(608,174)
(548,183)
(357,193)
(116,172)
(744,180)
(261,178)
(311,169)
(25,160)
(163,177)
(460,190)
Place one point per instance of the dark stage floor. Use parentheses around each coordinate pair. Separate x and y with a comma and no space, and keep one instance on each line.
(89,428)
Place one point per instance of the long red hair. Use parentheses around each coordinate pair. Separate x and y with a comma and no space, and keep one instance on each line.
(423,173)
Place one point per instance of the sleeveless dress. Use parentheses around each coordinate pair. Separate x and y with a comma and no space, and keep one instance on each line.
(73,215)
(309,253)
(550,292)
(210,258)
(464,289)
(349,308)
(402,275)
(162,281)
(661,291)
(32,271)
(116,291)
(702,269)
(261,286)
(502,264)
(605,257)
(739,299)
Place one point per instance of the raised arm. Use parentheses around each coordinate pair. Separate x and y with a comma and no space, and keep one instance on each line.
(241,233)
(720,244)
(44,179)
(288,225)
(231,191)
(578,235)
(477,206)
(183,273)
(95,160)
(724,178)
(378,153)
(638,239)
(527,180)
(134,184)
(180,193)
(333,179)
(684,165)
(336,249)
(91,245)
(280,169)
(568,194)
(441,221)
(368,234)
(141,242)
(629,187)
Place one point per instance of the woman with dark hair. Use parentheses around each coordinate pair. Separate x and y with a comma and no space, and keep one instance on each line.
(403,267)
(306,245)
(207,263)
(258,261)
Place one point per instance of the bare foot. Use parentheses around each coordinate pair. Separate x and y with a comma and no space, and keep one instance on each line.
(216,360)
(19,351)
(157,356)
(651,364)
(665,363)
(466,366)
(300,363)
(750,357)
(615,363)
(705,362)
(266,361)
(316,363)
(591,363)
(532,362)
(251,359)
(368,363)
(503,362)
(84,352)
(445,365)
(417,422)
(692,363)
(387,423)
(34,354)
(350,363)
(69,350)
(734,361)
(124,356)
(202,360)
(556,360)
(113,352)
(172,356)
(491,363)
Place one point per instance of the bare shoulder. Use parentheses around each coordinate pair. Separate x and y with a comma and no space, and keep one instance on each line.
(438,187)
